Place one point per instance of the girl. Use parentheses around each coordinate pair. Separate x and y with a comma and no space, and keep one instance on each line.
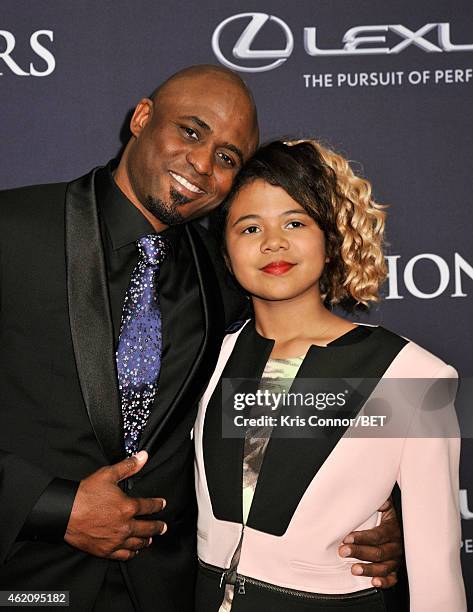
(301,234)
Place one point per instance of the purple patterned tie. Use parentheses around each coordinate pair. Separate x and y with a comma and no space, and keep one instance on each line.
(140,343)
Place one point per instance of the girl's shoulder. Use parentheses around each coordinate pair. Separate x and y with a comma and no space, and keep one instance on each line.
(413,360)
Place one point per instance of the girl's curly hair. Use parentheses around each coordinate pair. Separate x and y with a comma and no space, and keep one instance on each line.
(340,202)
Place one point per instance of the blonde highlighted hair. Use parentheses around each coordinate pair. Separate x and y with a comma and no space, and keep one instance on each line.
(360,221)
(341,203)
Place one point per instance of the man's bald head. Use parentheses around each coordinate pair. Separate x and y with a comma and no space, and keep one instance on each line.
(189,140)
(201,73)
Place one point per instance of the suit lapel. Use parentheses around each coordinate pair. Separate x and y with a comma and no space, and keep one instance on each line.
(89,315)
(195,380)
(223,457)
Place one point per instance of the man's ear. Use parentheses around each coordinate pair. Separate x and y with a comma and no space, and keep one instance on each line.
(141,115)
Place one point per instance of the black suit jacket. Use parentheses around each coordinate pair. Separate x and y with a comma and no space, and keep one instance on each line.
(59,405)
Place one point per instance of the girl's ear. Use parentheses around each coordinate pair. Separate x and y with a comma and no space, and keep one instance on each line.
(228,262)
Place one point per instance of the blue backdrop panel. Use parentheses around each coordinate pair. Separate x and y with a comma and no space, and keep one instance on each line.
(388,84)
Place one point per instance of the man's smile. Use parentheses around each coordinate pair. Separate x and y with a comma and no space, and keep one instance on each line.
(186,183)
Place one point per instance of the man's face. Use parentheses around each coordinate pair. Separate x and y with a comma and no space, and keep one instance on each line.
(188,147)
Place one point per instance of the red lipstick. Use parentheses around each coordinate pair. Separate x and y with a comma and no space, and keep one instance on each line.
(278,267)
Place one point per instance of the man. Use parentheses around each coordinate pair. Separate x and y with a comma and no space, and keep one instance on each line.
(72,509)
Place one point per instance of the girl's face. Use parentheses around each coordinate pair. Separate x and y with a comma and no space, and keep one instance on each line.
(274,248)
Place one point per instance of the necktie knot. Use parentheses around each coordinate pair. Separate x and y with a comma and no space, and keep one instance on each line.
(153,249)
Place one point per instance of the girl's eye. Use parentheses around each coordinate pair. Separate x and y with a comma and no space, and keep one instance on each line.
(294,224)
(253,229)
(190,132)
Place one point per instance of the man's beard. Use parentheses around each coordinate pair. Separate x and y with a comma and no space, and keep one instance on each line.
(167,212)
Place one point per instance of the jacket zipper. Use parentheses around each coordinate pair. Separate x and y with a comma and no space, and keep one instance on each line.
(230,571)
(241,581)
(223,573)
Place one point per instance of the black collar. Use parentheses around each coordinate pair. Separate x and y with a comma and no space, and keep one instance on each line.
(124,223)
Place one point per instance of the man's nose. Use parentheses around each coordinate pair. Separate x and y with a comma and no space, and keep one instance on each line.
(201,158)
(274,241)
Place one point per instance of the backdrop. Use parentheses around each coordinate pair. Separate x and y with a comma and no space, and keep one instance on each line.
(387,84)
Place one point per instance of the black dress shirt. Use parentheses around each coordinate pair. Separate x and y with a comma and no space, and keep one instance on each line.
(121,225)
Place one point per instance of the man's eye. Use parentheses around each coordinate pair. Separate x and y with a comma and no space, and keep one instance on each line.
(190,132)
(294,224)
(226,159)
(252,229)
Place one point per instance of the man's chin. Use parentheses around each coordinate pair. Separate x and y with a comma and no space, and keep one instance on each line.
(168,214)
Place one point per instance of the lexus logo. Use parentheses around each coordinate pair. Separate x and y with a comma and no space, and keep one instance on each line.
(242,49)
(354,42)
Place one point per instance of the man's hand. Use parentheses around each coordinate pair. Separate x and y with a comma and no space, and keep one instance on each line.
(381,545)
(102,520)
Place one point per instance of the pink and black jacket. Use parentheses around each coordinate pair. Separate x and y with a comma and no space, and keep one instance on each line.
(312,492)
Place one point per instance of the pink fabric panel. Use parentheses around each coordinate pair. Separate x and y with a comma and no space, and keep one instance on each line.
(340,498)
(216,540)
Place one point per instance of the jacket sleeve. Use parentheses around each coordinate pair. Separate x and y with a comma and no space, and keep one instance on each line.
(33,504)
(49,516)
(429,482)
